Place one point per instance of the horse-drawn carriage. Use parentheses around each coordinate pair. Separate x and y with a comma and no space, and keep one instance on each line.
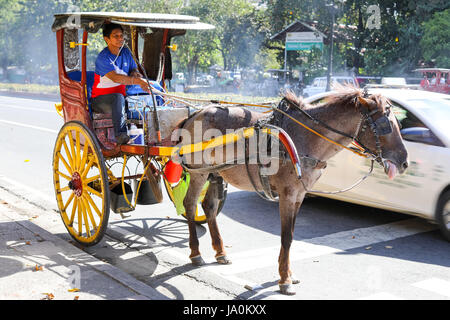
(298,139)
(85,152)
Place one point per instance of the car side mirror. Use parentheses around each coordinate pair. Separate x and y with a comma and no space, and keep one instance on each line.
(420,135)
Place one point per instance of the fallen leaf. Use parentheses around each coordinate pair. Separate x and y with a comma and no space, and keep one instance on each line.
(26,160)
(74,290)
(49,296)
(353,237)
(368,248)
(28,243)
(388,247)
(38,268)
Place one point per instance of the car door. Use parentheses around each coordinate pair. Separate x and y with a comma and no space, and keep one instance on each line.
(413,191)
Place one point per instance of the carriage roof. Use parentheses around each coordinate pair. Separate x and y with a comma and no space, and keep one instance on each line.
(92,21)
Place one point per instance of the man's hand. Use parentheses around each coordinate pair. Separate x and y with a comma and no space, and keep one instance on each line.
(135,78)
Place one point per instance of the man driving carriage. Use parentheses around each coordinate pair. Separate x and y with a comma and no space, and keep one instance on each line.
(115,69)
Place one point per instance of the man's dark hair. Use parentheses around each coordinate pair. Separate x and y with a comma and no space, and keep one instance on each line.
(108,28)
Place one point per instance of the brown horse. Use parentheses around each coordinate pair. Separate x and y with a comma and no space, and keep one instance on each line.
(345,116)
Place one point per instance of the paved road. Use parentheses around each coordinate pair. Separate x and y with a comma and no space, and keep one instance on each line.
(340,251)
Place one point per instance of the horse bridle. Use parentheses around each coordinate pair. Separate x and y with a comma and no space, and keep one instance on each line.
(380,127)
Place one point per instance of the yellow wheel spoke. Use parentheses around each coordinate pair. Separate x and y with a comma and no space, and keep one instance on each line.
(69,201)
(60,156)
(98,194)
(77,150)
(89,180)
(74,209)
(88,167)
(68,154)
(80,218)
(72,147)
(85,219)
(91,201)
(64,189)
(89,212)
(85,156)
(64,176)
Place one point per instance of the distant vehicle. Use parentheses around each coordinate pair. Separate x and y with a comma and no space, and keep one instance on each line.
(424,189)
(435,79)
(319,85)
(393,81)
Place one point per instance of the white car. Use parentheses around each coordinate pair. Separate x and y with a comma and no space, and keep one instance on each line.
(319,85)
(424,189)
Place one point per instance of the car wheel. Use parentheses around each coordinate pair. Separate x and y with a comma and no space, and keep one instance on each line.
(443,214)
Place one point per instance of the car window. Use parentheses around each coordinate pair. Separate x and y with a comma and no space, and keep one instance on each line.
(407,119)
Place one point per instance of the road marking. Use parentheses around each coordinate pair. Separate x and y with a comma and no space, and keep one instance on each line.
(267,257)
(435,285)
(21,189)
(26,108)
(333,243)
(28,126)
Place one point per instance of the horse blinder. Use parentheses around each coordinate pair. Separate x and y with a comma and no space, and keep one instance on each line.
(383,126)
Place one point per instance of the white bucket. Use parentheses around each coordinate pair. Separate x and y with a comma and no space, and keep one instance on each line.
(136,135)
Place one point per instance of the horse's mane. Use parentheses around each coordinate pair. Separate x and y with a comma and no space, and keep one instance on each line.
(342,95)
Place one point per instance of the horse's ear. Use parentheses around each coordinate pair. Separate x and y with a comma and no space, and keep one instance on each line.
(363,101)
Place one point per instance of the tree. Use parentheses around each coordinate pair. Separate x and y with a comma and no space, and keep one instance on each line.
(436,39)
(9,42)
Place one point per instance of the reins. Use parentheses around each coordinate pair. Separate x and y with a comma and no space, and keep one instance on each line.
(362,150)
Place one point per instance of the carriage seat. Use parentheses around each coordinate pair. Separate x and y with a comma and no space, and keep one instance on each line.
(76,76)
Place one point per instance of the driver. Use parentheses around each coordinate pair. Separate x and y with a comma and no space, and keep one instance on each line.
(115,68)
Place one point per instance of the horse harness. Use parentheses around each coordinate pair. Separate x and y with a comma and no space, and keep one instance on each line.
(380,127)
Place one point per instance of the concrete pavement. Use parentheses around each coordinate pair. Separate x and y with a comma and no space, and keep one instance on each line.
(35,264)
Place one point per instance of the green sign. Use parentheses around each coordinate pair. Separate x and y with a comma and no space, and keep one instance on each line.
(298,46)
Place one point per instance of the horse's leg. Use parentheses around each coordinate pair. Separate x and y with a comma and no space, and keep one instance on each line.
(288,211)
(196,184)
(210,206)
(294,279)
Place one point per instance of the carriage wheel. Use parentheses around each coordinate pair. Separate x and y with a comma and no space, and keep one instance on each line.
(81,183)
(200,216)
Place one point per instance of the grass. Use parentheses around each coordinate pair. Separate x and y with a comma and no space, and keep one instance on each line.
(29,88)
(232,97)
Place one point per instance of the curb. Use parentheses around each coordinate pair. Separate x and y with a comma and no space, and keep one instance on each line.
(17,205)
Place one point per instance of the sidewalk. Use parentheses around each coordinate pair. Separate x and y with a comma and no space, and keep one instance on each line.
(36,264)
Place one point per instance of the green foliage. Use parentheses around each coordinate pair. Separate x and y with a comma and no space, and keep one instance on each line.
(436,39)
(411,33)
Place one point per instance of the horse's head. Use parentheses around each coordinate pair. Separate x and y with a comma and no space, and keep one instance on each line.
(380,133)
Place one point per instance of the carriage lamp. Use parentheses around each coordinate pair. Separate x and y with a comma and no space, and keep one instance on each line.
(174,47)
(73,44)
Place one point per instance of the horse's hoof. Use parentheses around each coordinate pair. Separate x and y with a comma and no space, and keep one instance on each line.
(223,260)
(197,261)
(287,289)
(295,280)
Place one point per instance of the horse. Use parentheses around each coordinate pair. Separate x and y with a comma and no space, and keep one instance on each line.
(345,116)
